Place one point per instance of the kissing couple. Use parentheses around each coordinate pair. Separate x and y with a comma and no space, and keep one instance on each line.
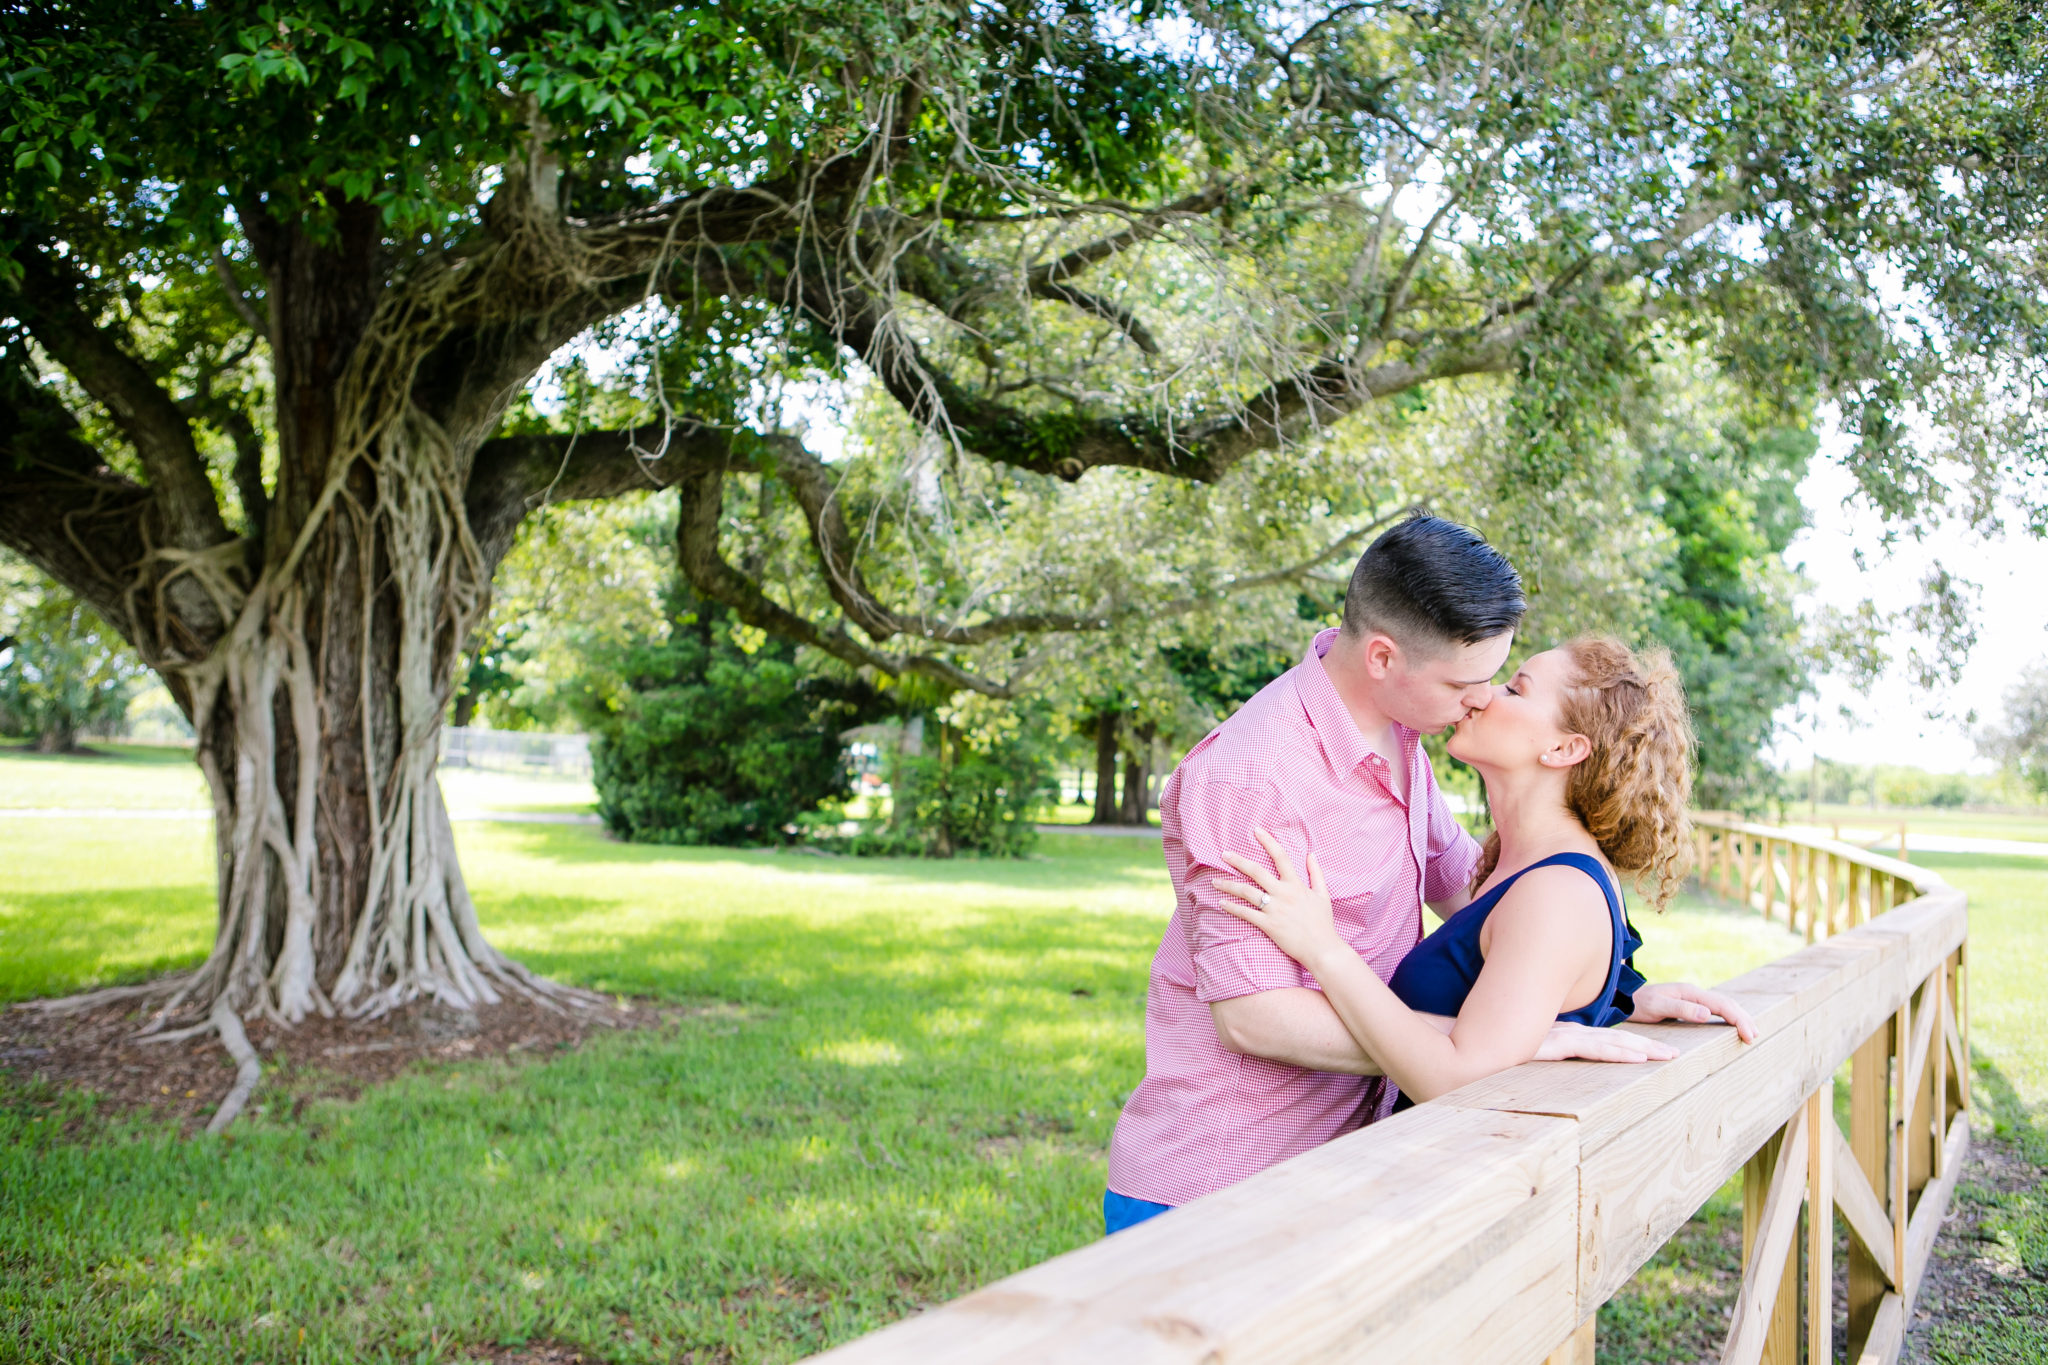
(1294,997)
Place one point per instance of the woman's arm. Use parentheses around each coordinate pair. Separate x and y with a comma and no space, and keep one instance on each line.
(1544,942)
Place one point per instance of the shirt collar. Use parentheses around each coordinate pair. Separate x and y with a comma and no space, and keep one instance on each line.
(1338,734)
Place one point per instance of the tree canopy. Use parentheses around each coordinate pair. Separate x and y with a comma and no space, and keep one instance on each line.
(997,210)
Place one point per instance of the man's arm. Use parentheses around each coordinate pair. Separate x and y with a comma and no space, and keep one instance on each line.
(1299,1026)
(1294,1025)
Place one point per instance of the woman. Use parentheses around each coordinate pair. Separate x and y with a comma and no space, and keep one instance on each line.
(1586,755)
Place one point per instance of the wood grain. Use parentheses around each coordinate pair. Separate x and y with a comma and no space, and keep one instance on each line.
(1762,1329)
(1440,1234)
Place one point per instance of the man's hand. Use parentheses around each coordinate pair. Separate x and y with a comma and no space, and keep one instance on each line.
(1689,1004)
(1567,1041)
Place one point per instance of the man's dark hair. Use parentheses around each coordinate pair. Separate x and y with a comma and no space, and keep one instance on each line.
(1432,584)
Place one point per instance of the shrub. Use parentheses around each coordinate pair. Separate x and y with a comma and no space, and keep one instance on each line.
(969,795)
(716,735)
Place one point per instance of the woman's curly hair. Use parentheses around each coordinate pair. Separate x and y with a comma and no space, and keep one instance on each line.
(1633,792)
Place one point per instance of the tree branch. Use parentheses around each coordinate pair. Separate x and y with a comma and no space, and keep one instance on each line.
(1148,226)
(815,490)
(237,300)
(52,308)
(704,564)
(61,509)
(514,475)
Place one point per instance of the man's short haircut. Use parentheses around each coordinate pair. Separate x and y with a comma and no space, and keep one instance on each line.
(1432,585)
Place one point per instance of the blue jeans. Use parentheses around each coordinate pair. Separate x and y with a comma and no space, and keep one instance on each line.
(1120,1211)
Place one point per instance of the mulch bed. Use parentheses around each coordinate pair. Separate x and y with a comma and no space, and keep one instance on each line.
(1967,1276)
(183,1082)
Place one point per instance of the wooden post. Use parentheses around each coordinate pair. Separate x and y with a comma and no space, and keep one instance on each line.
(1820,1224)
(1781,1338)
(1895,1173)
(1870,1090)
(1937,1069)
(1903,854)
(1806,888)
(1828,870)
(1577,1348)
(1770,870)
(1813,899)
(1855,896)
(1748,869)
(1921,1142)
(1961,995)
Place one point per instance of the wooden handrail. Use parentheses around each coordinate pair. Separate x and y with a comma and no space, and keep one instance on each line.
(1490,1225)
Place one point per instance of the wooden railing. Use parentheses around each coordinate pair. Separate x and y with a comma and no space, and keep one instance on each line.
(1491,1224)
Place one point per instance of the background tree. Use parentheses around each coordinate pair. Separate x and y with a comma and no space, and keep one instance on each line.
(283,470)
(63,673)
(1730,496)
(2018,741)
(580,582)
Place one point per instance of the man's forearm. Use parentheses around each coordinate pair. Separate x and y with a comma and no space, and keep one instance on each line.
(1294,1025)
(1297,1026)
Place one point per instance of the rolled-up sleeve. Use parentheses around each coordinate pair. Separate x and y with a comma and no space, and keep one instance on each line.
(1453,854)
(1232,958)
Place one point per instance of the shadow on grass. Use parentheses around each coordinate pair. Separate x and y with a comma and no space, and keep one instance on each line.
(1062,861)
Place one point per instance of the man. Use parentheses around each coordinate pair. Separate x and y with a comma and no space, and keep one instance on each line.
(1245,1063)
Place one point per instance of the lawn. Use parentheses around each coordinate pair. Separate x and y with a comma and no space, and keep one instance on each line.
(897,1082)
(164,778)
(1884,820)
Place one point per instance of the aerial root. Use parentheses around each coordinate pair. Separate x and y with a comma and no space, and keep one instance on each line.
(248,1070)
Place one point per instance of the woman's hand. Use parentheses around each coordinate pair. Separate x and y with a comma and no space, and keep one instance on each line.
(1687,1003)
(1296,916)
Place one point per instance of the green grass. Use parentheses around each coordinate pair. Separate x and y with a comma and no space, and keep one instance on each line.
(1976,824)
(161,777)
(893,1094)
(898,1082)
(111,777)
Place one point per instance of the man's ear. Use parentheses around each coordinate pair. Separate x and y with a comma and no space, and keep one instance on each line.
(1572,751)
(1380,655)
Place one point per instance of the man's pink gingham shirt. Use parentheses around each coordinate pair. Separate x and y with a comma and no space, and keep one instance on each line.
(1293,762)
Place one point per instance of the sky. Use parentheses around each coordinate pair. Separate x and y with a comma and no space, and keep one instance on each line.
(1889,723)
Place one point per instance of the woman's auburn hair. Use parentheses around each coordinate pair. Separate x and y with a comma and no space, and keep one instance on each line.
(1633,791)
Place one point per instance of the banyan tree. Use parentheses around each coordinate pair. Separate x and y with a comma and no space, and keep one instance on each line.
(276,281)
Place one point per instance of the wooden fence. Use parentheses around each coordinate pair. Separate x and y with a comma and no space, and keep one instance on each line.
(1490,1225)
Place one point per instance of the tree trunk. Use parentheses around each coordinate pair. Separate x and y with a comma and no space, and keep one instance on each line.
(318,722)
(57,736)
(1137,777)
(1105,768)
(465,710)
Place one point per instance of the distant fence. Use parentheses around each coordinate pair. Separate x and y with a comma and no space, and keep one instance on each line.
(1490,1225)
(515,751)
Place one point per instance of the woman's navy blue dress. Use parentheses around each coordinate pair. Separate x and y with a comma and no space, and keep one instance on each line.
(1437,976)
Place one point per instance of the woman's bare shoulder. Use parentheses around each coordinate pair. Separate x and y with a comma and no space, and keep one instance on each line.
(1559,896)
